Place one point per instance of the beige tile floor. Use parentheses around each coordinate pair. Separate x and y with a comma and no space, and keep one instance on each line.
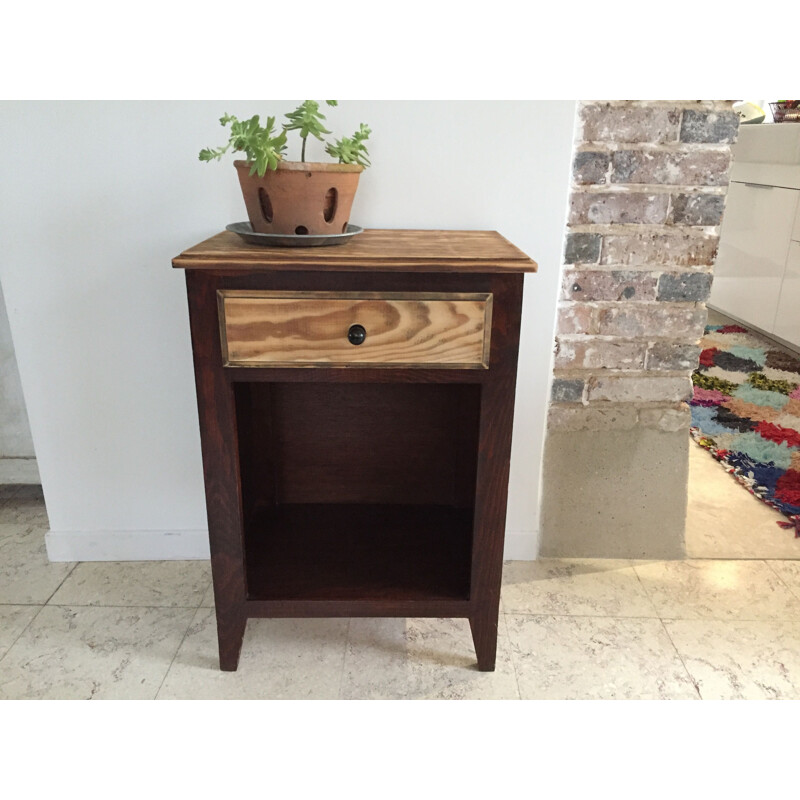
(725,521)
(569,629)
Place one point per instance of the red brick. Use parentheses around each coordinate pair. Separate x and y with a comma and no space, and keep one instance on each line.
(606,123)
(632,320)
(599,418)
(599,354)
(575,318)
(678,249)
(693,168)
(618,207)
(639,389)
(587,285)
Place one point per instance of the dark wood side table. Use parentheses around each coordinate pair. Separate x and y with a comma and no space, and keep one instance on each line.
(356,404)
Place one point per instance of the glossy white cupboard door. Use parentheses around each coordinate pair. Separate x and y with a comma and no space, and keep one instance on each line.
(787,320)
(754,242)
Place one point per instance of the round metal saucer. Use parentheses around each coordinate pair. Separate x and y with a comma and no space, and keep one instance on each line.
(245,230)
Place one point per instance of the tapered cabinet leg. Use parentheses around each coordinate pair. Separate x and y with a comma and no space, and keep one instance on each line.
(484,635)
(230,636)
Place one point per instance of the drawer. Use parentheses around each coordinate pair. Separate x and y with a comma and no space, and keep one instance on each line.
(315,329)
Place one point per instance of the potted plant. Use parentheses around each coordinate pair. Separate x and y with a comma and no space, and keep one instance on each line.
(294,197)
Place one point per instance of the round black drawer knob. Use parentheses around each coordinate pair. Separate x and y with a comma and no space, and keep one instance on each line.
(356,334)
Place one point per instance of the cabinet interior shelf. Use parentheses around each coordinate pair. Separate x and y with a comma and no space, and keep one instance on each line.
(357,492)
(359,552)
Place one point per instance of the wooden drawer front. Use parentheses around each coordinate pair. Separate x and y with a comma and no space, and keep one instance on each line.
(307,329)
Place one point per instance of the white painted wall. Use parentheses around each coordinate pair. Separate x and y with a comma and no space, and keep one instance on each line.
(15,434)
(99,196)
(17,459)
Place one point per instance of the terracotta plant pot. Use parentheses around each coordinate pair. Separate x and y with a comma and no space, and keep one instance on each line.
(300,197)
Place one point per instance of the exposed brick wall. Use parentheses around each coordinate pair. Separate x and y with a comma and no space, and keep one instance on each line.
(649,180)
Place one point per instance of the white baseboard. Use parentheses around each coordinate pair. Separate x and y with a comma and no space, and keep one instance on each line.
(127,545)
(19,470)
(521,546)
(190,545)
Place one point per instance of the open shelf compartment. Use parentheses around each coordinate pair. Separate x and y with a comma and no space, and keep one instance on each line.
(357,491)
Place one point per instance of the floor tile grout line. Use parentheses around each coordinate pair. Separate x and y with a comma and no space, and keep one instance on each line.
(21,604)
(511,653)
(175,654)
(514,613)
(742,558)
(344,658)
(115,605)
(55,591)
(646,592)
(680,656)
(19,636)
(667,617)
(205,592)
(780,578)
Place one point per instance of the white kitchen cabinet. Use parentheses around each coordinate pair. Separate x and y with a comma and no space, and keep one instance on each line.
(787,319)
(757,271)
(753,245)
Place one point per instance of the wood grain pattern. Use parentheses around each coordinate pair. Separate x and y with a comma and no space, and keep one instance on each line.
(376,250)
(310,329)
(367,443)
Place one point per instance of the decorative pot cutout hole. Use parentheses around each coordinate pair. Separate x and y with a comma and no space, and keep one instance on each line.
(301,230)
(331,200)
(344,227)
(266,205)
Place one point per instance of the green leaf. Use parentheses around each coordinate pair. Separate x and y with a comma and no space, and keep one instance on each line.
(264,148)
(351,150)
(262,160)
(307,119)
(259,143)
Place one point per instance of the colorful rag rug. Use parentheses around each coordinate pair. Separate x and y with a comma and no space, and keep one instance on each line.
(746,412)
